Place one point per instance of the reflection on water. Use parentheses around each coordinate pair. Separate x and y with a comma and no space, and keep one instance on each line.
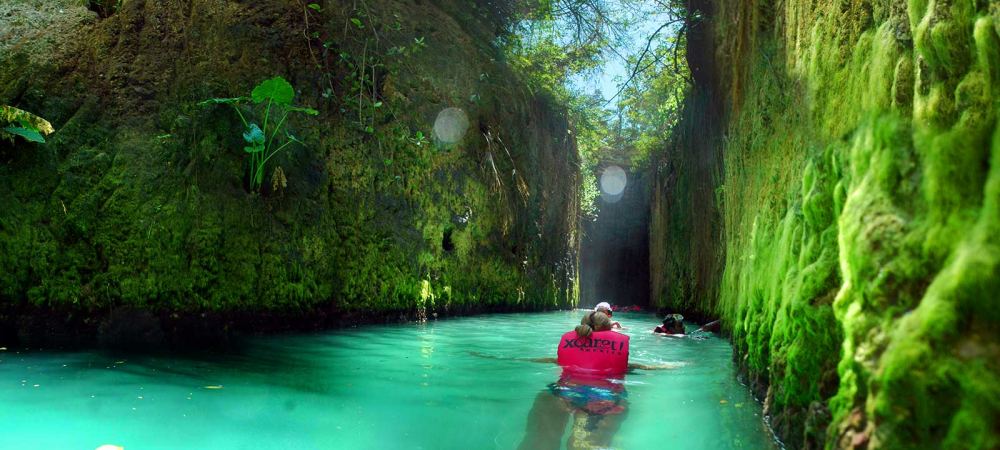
(395,386)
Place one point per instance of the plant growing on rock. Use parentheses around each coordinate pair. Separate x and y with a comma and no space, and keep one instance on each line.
(17,122)
(275,97)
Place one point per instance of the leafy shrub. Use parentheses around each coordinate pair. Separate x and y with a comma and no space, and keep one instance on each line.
(275,97)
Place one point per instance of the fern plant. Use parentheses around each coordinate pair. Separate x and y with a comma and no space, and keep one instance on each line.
(17,122)
(273,98)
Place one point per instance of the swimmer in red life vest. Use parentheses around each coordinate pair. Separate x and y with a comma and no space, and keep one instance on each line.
(591,388)
(593,350)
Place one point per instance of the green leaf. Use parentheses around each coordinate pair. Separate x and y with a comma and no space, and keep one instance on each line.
(28,134)
(316,7)
(310,111)
(254,135)
(377,104)
(222,101)
(256,148)
(357,22)
(10,115)
(277,90)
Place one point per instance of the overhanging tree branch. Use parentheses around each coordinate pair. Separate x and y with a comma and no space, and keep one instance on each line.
(642,56)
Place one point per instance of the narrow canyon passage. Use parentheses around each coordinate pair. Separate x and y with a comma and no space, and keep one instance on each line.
(365,178)
(614,251)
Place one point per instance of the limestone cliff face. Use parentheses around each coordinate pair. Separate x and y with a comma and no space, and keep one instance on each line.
(141,197)
(859,192)
(685,221)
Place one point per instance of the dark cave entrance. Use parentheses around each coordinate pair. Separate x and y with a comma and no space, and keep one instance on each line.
(614,254)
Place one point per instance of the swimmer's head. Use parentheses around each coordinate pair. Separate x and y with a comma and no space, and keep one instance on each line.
(672,318)
(674,323)
(604,307)
(595,321)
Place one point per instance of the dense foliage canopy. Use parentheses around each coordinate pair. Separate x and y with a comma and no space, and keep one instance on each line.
(555,45)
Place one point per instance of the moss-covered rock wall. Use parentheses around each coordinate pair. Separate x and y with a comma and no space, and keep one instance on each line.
(685,231)
(860,196)
(140,201)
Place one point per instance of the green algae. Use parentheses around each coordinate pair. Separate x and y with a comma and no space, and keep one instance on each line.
(859,199)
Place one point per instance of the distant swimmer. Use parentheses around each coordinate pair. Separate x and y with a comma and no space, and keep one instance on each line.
(606,308)
(626,308)
(673,324)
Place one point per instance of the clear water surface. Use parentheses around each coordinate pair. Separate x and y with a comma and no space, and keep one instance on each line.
(450,384)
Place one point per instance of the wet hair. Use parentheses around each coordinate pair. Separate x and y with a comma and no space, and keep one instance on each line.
(673,325)
(595,321)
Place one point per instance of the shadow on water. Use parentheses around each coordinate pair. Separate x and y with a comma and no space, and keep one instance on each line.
(289,363)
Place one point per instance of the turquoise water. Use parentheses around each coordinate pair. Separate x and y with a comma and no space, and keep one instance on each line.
(450,384)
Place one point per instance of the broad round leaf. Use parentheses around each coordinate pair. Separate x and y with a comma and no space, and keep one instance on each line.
(277,89)
(27,133)
(254,135)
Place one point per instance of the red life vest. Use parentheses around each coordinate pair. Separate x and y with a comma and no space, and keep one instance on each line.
(602,354)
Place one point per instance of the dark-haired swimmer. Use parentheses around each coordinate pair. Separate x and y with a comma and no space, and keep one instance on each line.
(673,324)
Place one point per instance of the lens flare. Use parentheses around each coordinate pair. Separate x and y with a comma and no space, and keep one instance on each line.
(613,181)
(450,125)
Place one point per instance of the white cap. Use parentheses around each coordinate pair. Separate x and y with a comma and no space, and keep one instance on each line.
(603,305)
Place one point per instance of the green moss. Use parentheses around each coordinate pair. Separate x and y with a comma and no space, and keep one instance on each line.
(141,203)
(860,208)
